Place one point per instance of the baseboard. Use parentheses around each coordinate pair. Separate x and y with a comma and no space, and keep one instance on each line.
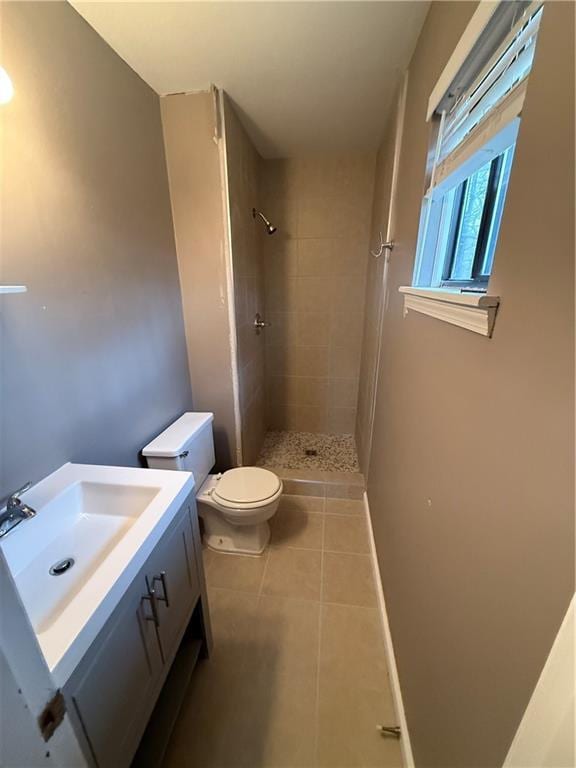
(390,657)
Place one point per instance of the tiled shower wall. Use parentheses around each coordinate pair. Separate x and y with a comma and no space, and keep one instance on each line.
(243,178)
(315,272)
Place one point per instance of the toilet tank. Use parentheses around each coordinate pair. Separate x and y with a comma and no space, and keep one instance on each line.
(187,444)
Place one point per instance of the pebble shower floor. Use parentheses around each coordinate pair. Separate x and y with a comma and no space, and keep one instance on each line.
(334,453)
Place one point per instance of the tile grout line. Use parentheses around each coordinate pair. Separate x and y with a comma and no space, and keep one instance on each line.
(297,599)
(261,588)
(319,549)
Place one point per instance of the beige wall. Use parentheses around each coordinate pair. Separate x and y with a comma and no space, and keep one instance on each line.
(472,468)
(192,155)
(93,355)
(243,164)
(315,268)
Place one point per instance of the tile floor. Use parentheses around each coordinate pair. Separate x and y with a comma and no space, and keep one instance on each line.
(288,450)
(298,676)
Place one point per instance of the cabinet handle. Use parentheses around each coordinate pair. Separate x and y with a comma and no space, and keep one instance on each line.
(162,579)
(151,597)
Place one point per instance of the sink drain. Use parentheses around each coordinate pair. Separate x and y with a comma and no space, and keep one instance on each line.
(62,566)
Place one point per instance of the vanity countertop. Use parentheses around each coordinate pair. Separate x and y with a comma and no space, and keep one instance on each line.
(94,529)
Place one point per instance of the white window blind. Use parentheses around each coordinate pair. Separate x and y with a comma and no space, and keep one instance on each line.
(493,97)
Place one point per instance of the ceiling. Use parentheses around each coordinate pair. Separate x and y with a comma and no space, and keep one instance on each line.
(304,76)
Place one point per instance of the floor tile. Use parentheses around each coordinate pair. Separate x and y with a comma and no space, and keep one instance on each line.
(216,689)
(305,503)
(233,616)
(293,573)
(348,579)
(239,572)
(354,691)
(346,533)
(253,703)
(292,682)
(303,488)
(295,528)
(352,648)
(211,701)
(344,507)
(344,491)
(315,475)
(286,637)
(347,729)
(275,726)
(345,478)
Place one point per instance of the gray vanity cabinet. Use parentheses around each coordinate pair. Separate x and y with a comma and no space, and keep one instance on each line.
(112,693)
(110,689)
(172,576)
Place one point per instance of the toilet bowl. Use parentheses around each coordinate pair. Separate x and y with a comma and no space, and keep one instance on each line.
(235,508)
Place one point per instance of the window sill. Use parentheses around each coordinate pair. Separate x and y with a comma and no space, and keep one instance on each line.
(474,311)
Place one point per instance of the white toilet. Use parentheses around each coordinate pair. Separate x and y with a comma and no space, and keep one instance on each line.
(235,506)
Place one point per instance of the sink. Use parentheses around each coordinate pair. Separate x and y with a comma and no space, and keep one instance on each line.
(89,520)
(93,530)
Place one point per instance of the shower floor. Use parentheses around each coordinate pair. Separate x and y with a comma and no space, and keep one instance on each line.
(334,453)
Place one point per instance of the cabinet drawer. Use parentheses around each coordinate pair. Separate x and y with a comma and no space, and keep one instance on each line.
(172,574)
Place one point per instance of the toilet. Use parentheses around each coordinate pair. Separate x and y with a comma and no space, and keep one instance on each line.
(235,506)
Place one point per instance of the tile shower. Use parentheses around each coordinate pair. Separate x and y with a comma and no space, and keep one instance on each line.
(314,270)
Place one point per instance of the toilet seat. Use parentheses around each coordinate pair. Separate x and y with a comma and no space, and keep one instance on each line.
(239,527)
(246,488)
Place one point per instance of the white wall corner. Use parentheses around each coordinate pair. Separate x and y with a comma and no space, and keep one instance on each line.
(546,735)
(405,745)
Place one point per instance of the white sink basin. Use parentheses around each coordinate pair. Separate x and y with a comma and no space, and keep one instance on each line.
(89,520)
(94,528)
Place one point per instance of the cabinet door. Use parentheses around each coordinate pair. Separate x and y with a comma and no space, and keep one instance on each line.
(112,688)
(172,574)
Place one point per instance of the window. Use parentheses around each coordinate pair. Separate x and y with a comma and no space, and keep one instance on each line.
(475,127)
(469,225)
(461,217)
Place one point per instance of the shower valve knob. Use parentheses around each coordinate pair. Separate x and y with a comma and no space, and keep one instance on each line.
(259,323)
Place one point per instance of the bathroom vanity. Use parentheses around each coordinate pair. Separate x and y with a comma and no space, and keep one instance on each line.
(111,625)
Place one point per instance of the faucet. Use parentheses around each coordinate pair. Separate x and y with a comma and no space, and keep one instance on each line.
(16,511)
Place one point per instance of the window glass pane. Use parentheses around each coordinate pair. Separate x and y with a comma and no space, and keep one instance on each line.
(488,260)
(469,226)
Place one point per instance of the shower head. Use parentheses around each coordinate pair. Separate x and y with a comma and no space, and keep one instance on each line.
(270,228)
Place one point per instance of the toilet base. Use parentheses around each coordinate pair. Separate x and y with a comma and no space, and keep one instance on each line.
(234,539)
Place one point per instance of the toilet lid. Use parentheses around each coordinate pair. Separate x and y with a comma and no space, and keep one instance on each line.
(246,485)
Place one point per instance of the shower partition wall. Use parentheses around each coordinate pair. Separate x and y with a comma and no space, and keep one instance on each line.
(382,228)
(213,172)
(246,233)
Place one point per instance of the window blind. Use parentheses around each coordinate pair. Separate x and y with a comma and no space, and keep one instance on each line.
(494,96)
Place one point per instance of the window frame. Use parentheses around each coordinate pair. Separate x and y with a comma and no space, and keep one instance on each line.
(430,266)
